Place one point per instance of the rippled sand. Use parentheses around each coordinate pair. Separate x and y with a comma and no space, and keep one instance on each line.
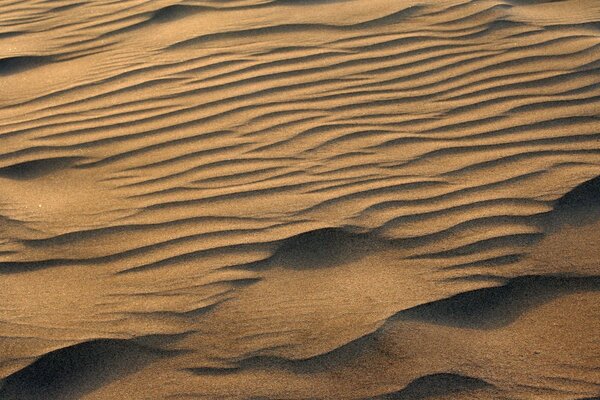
(299,199)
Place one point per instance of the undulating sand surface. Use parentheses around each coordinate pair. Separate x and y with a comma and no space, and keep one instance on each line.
(299,199)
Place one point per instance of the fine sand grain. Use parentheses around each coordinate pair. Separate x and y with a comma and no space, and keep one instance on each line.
(299,199)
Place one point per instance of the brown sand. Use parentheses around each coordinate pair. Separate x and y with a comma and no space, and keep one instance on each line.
(299,199)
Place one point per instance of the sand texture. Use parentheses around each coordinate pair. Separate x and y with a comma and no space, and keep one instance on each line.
(299,199)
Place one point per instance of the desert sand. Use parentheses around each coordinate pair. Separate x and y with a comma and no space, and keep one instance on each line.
(299,199)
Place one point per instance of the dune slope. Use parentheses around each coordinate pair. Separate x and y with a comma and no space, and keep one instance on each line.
(299,199)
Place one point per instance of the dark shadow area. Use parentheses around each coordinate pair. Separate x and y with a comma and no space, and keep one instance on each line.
(579,206)
(12,65)
(70,372)
(437,385)
(175,12)
(496,307)
(36,168)
(321,248)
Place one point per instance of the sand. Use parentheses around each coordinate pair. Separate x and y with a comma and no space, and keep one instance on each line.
(299,199)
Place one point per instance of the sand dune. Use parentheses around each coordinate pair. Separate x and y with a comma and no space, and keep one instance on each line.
(299,199)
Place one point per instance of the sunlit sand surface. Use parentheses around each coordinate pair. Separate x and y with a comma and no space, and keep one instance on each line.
(299,199)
